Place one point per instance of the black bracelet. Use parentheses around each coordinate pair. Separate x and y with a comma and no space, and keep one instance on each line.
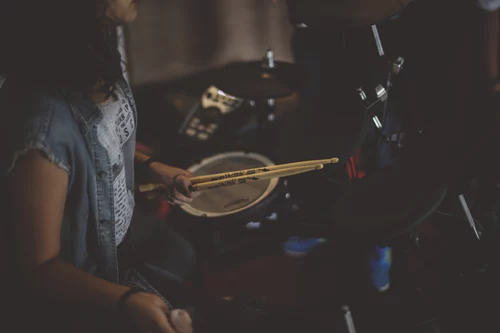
(120,305)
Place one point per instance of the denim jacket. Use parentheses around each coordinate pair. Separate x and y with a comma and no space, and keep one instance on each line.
(63,126)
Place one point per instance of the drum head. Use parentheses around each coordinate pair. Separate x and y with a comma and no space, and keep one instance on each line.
(233,199)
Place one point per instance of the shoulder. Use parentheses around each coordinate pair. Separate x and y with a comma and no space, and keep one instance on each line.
(38,119)
(36,107)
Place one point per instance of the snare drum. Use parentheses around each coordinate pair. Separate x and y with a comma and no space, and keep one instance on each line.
(233,203)
(238,218)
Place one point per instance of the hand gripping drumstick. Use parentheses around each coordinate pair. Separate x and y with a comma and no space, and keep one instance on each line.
(247,172)
(239,173)
(239,180)
(253,177)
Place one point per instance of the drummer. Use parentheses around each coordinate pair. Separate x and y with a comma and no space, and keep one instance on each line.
(68,151)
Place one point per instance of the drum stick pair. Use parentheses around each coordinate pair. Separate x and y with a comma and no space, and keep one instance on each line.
(232,178)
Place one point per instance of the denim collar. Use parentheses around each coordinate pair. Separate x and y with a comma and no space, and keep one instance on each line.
(86,111)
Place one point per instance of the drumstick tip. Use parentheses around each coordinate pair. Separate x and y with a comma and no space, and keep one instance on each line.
(334,160)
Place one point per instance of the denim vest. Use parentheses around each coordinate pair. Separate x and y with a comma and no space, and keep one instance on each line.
(63,126)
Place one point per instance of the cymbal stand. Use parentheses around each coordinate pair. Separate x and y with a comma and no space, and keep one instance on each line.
(267,116)
(270,109)
(468,215)
(381,95)
(348,319)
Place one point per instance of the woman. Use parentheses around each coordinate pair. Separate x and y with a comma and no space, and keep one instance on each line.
(68,155)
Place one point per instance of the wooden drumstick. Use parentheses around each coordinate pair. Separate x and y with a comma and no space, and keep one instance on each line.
(247,172)
(254,177)
(151,187)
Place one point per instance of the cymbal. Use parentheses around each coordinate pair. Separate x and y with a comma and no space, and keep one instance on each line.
(254,80)
(343,13)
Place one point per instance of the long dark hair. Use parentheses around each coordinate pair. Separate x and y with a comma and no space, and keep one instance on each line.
(61,43)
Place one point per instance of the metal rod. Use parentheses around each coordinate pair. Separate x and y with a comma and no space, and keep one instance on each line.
(348,319)
(468,214)
(377,40)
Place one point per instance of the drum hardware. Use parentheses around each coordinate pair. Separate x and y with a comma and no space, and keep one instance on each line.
(259,80)
(348,319)
(209,117)
(269,59)
(381,95)
(397,65)
(378,42)
(396,68)
(369,101)
(468,215)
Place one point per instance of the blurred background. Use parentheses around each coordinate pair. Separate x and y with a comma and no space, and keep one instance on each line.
(172,39)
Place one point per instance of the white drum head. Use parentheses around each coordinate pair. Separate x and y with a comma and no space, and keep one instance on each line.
(233,199)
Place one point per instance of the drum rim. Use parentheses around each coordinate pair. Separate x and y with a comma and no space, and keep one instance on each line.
(273,183)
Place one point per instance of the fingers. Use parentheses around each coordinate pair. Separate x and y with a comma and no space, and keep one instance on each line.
(181,320)
(180,199)
(162,323)
(188,173)
(186,183)
(182,185)
(163,326)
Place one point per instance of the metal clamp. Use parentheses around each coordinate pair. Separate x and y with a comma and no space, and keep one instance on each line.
(380,95)
(397,65)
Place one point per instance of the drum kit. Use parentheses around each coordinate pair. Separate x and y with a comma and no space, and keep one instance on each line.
(255,115)
(238,122)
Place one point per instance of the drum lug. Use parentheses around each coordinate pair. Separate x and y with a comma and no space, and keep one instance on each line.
(272,217)
(370,99)
(397,65)
(253,225)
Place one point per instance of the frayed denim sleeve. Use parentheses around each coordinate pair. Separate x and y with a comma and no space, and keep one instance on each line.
(43,148)
(49,128)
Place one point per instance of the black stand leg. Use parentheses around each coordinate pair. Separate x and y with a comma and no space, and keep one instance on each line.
(468,215)
(348,319)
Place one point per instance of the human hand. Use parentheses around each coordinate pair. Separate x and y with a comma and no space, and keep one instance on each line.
(181,320)
(149,313)
(177,182)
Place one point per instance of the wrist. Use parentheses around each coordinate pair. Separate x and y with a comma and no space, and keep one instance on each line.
(122,301)
(148,165)
(149,161)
